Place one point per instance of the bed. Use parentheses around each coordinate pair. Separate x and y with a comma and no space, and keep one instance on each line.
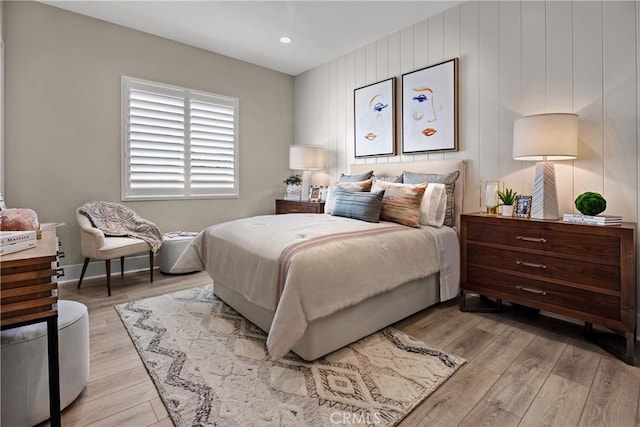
(316,283)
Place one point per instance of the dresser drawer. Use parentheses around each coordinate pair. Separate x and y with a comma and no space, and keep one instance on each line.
(539,237)
(588,273)
(541,294)
(290,206)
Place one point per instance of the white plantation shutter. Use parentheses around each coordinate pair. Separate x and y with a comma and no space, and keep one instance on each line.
(213,147)
(177,143)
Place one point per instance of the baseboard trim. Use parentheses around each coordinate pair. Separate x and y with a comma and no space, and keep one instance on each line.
(96,268)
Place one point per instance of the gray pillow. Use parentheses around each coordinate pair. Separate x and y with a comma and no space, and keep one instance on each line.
(393,179)
(355,178)
(449,180)
(364,206)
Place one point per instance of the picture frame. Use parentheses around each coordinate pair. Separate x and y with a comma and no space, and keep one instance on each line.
(430,108)
(522,206)
(374,118)
(314,193)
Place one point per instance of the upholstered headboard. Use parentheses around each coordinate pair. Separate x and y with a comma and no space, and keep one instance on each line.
(427,166)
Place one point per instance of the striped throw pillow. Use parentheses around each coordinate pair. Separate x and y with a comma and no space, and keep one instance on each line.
(401,202)
(350,186)
(364,206)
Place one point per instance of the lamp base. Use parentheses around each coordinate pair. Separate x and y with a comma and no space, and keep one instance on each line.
(545,196)
(306,185)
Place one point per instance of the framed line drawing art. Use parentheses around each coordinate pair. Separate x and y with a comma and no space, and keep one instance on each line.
(374,119)
(430,108)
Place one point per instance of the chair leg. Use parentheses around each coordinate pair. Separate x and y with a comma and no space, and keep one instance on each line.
(122,266)
(107,265)
(151,265)
(84,269)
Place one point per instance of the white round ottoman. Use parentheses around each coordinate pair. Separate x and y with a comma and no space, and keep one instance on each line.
(171,249)
(25,367)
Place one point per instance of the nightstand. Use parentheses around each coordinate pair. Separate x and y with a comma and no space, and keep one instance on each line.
(586,272)
(294,206)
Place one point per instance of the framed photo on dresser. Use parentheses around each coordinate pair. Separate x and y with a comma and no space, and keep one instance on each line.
(314,193)
(522,207)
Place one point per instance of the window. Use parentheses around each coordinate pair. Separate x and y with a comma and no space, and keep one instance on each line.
(177,143)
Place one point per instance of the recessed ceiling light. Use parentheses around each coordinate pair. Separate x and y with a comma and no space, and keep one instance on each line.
(285,40)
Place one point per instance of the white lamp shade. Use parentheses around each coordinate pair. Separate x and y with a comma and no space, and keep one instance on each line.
(546,136)
(306,157)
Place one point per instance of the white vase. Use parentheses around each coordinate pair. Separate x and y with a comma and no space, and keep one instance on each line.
(507,210)
(294,191)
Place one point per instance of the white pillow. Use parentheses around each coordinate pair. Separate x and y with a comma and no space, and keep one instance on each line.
(434,205)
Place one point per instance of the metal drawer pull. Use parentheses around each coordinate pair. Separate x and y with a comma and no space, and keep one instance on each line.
(533,291)
(530,264)
(60,272)
(532,239)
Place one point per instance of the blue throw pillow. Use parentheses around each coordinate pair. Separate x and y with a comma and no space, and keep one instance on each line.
(355,178)
(358,205)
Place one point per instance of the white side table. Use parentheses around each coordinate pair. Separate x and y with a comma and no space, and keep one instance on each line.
(172,247)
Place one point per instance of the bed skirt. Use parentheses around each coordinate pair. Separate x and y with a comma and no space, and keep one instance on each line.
(332,332)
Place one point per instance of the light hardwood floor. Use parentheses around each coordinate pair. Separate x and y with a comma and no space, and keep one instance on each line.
(522,369)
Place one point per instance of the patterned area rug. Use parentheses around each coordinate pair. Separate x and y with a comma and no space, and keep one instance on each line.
(211,368)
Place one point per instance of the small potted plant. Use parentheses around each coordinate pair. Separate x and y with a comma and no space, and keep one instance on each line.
(294,187)
(507,200)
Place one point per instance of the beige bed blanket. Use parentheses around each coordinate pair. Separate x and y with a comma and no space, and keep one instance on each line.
(326,275)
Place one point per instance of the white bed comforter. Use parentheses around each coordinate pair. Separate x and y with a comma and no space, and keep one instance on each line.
(323,264)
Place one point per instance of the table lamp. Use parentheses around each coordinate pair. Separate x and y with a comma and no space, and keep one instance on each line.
(306,158)
(544,138)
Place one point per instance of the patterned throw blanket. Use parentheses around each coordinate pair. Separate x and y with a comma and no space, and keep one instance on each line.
(115,220)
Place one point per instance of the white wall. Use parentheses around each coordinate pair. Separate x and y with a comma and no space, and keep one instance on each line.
(516,59)
(63,130)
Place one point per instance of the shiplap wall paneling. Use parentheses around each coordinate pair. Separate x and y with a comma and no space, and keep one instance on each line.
(620,111)
(333,101)
(469,103)
(588,170)
(342,138)
(559,84)
(360,80)
(350,85)
(489,71)
(407,64)
(533,73)
(516,59)
(394,69)
(436,55)
(510,90)
(451,49)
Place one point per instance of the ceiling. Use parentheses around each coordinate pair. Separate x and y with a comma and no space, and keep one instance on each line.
(250,30)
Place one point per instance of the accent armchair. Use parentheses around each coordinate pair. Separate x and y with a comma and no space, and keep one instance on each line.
(95,245)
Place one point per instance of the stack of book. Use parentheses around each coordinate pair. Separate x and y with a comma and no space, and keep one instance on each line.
(592,219)
(14,241)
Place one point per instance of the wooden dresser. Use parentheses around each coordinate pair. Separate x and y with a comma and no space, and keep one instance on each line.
(586,272)
(294,206)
